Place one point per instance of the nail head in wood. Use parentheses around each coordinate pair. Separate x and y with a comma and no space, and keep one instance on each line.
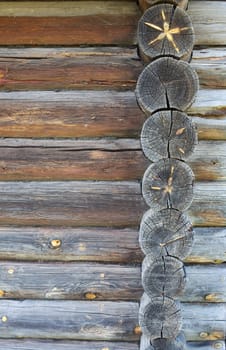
(165,30)
(168,134)
(166,83)
(160,317)
(56,243)
(163,276)
(168,183)
(164,232)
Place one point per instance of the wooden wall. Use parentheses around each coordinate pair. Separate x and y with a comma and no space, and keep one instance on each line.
(70,171)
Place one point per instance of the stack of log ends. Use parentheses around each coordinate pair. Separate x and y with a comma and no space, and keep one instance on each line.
(166,232)
(166,83)
(165,30)
(145,4)
(168,134)
(163,276)
(160,317)
(168,184)
(163,344)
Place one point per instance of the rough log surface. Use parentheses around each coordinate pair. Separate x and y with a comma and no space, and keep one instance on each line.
(27,344)
(77,203)
(96,159)
(92,68)
(105,23)
(98,244)
(83,114)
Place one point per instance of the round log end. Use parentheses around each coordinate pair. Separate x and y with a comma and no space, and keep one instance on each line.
(166,232)
(168,134)
(163,276)
(145,4)
(168,184)
(160,317)
(166,83)
(165,30)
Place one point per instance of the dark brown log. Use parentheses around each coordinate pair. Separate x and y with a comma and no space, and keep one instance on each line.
(168,184)
(92,68)
(160,317)
(83,114)
(145,4)
(166,83)
(166,232)
(168,134)
(165,30)
(92,159)
(163,276)
(101,244)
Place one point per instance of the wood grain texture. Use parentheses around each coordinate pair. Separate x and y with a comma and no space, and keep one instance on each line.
(103,24)
(96,320)
(98,244)
(84,203)
(91,159)
(89,281)
(92,68)
(27,344)
(83,114)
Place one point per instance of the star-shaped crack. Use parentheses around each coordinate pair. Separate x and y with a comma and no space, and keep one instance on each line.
(166,32)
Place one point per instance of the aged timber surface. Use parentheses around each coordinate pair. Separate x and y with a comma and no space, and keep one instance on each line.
(89,281)
(97,244)
(97,320)
(85,203)
(83,114)
(92,68)
(96,22)
(96,159)
(11,344)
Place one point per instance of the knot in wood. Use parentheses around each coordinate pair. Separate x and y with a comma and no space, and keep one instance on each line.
(165,30)
(168,134)
(166,83)
(168,183)
(163,276)
(160,317)
(166,232)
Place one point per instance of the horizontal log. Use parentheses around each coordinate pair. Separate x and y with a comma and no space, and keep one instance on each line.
(83,114)
(69,23)
(86,281)
(84,203)
(91,68)
(96,320)
(27,344)
(100,245)
(120,159)
(96,22)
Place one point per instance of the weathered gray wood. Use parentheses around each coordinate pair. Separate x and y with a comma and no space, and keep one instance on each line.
(102,159)
(164,232)
(86,203)
(98,320)
(86,281)
(207,345)
(98,244)
(166,83)
(163,276)
(162,343)
(165,30)
(168,183)
(168,134)
(27,344)
(71,114)
(144,4)
(159,317)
